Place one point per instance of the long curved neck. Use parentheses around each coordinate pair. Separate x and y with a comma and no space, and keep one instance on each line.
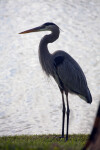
(44,54)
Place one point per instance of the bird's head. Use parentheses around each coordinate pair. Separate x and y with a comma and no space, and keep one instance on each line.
(49,26)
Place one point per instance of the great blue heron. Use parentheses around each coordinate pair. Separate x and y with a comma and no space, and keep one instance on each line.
(63,68)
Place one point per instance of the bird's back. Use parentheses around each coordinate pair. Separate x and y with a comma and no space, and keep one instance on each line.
(71,75)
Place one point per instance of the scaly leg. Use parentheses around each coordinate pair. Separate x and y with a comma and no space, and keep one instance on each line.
(63,117)
(68,112)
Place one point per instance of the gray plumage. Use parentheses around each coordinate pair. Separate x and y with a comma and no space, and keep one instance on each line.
(63,68)
(69,72)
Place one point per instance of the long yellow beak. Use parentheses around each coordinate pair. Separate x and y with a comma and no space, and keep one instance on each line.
(37,29)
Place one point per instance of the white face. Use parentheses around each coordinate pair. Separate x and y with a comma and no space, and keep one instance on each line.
(49,27)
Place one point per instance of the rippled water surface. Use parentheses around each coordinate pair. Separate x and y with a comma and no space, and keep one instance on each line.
(30,103)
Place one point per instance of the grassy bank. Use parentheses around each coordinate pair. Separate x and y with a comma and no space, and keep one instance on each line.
(42,142)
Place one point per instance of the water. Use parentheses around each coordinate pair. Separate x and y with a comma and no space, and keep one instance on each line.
(30,103)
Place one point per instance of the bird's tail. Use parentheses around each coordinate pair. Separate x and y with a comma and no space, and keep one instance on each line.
(89,97)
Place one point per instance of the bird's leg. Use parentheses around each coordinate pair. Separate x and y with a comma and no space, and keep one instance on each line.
(63,112)
(68,112)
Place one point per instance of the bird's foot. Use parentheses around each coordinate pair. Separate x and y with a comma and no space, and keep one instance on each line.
(66,139)
(61,137)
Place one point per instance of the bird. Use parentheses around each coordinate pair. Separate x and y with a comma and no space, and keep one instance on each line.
(63,68)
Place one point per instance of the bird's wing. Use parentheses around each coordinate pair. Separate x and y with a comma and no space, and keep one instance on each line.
(70,74)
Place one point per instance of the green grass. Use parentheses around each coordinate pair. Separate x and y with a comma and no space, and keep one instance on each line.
(42,142)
